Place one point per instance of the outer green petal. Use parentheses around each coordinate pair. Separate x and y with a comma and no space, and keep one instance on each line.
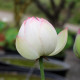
(62,40)
(75,51)
(78,43)
(77,46)
(26,50)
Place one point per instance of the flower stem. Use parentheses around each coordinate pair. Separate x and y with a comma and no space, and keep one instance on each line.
(41,68)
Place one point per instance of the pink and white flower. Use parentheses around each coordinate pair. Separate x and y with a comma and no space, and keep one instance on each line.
(37,37)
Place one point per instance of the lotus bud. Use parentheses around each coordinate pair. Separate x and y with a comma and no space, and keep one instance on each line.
(76,47)
(37,37)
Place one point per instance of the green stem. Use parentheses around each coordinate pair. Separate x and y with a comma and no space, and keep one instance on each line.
(41,68)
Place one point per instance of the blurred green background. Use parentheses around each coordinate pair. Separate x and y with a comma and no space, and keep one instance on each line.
(60,13)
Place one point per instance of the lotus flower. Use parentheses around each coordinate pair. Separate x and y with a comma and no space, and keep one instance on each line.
(37,37)
(77,45)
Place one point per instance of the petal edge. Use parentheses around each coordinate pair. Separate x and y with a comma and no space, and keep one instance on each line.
(62,40)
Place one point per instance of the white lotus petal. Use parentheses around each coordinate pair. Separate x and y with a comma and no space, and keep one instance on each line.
(48,37)
(26,50)
(62,40)
(32,28)
(21,31)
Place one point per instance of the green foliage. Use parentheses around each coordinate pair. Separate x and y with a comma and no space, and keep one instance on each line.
(75,19)
(2,37)
(35,11)
(2,43)
(28,63)
(69,42)
(68,1)
(10,37)
(11,34)
(58,30)
(7,5)
(11,76)
(2,26)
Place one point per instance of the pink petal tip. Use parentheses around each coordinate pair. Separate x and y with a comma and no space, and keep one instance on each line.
(79,31)
(38,18)
(66,28)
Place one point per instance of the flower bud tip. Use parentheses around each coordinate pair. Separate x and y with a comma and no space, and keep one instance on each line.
(66,28)
(79,31)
